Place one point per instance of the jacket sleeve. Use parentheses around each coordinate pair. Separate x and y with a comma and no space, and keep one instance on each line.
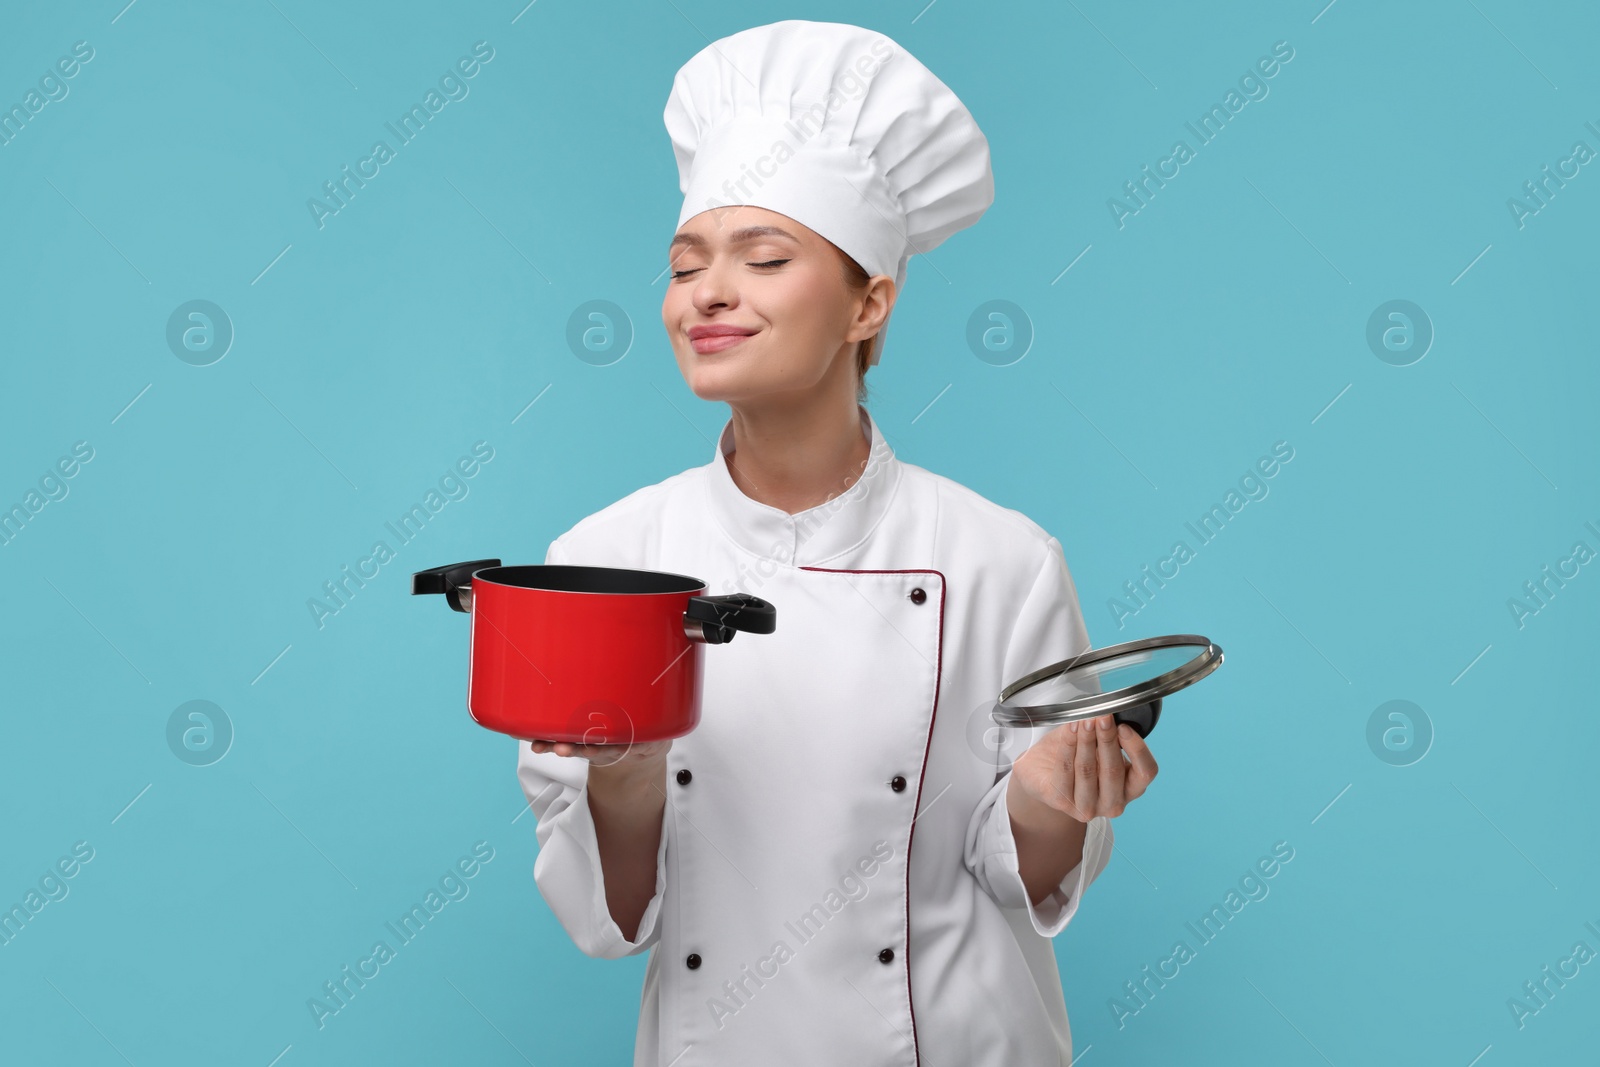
(567,869)
(1048,628)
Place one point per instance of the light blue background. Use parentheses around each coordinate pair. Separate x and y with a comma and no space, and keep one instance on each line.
(1228,314)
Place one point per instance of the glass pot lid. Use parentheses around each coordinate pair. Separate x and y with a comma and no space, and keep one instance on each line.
(1105,680)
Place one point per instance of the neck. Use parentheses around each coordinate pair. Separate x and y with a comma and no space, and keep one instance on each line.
(796,458)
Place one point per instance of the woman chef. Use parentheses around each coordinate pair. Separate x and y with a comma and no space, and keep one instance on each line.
(829,870)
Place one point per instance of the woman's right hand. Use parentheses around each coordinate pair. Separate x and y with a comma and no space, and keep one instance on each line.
(626,757)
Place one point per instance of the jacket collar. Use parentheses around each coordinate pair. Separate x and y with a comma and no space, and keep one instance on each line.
(817,534)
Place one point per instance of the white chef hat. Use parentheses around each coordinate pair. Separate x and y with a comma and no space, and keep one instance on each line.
(837,127)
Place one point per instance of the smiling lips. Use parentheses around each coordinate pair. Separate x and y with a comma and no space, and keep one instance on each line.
(708,339)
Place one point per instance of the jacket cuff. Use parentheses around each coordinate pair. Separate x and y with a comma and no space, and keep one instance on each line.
(572,881)
(1052,914)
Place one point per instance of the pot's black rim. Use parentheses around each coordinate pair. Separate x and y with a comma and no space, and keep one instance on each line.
(569,578)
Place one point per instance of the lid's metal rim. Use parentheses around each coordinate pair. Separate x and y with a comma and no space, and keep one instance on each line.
(1086,707)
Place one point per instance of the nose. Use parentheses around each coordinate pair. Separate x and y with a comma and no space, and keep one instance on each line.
(714,286)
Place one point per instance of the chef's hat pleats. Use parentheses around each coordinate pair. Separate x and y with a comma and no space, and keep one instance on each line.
(837,127)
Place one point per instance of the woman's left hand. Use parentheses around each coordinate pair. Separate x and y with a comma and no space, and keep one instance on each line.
(1079,768)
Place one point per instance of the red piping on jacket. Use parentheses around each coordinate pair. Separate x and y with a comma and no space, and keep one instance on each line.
(916,806)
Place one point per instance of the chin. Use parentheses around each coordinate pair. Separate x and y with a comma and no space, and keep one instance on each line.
(717,387)
(710,380)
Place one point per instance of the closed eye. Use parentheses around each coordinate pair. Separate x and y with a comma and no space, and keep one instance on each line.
(769,263)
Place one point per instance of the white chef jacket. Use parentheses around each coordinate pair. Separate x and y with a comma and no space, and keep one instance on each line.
(837,879)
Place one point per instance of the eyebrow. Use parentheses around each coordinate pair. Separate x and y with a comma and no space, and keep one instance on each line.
(739,236)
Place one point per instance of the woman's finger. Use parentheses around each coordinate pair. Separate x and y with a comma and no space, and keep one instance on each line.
(1144,768)
(1086,769)
(1113,769)
(560,748)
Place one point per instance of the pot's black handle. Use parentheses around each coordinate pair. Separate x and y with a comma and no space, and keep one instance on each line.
(721,616)
(1142,718)
(449,580)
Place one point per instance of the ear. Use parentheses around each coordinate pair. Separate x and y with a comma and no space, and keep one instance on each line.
(876,303)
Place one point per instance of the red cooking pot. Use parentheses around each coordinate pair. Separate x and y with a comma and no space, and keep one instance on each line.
(595,655)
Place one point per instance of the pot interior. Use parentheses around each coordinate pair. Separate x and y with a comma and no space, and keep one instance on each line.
(565,578)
